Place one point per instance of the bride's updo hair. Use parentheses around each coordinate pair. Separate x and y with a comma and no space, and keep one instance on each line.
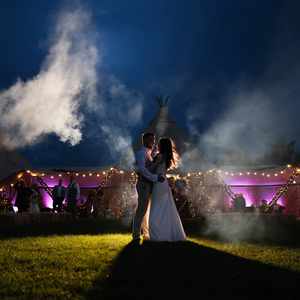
(168,151)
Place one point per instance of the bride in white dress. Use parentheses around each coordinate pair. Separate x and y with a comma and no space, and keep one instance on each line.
(164,221)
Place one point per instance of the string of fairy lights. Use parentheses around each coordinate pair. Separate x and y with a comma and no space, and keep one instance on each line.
(243,173)
(107,174)
(114,176)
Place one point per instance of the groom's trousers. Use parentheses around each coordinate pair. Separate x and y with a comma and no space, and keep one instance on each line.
(144,189)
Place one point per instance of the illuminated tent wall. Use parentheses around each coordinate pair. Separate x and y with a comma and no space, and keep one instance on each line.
(162,125)
(118,185)
(206,189)
(254,184)
(257,185)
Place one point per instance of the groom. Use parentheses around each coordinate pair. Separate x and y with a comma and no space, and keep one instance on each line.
(145,182)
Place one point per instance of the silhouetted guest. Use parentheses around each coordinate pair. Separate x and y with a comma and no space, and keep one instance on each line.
(35,199)
(263,206)
(58,195)
(11,208)
(9,203)
(278,209)
(73,194)
(239,202)
(5,203)
(98,203)
(23,196)
(85,209)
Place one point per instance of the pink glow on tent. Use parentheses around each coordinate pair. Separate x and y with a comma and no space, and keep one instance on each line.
(256,187)
(87,182)
(254,194)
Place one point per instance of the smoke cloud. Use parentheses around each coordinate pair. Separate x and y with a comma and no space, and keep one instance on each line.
(120,113)
(258,114)
(255,118)
(244,133)
(50,102)
(70,88)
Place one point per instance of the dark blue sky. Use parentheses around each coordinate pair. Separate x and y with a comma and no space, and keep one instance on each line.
(191,50)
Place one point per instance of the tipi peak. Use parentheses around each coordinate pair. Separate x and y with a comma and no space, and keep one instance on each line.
(162,100)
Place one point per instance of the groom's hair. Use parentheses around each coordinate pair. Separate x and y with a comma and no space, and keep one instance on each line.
(146,136)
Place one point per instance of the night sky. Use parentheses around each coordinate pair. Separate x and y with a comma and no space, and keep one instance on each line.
(219,61)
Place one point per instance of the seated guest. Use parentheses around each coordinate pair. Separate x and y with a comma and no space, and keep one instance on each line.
(58,195)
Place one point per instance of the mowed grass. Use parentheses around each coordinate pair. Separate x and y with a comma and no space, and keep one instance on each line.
(62,267)
(70,266)
(279,256)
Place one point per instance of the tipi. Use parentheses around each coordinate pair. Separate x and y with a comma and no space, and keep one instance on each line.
(163,126)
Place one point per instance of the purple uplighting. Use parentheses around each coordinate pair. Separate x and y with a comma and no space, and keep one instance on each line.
(254,194)
(255,185)
(258,186)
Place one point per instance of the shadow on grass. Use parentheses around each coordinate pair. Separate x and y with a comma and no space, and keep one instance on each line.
(69,227)
(162,270)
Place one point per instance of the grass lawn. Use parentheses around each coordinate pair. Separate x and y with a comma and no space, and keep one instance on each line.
(280,256)
(94,266)
(62,267)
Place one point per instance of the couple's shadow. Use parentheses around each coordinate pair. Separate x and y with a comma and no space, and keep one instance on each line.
(162,269)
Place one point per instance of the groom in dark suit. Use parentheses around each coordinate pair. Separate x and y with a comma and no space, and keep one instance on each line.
(145,182)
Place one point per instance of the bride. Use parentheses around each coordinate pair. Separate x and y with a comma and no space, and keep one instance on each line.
(164,221)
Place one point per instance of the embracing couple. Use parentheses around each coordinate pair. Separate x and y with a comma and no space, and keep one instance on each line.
(156,214)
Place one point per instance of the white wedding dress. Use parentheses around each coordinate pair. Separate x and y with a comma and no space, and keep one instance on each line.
(164,221)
